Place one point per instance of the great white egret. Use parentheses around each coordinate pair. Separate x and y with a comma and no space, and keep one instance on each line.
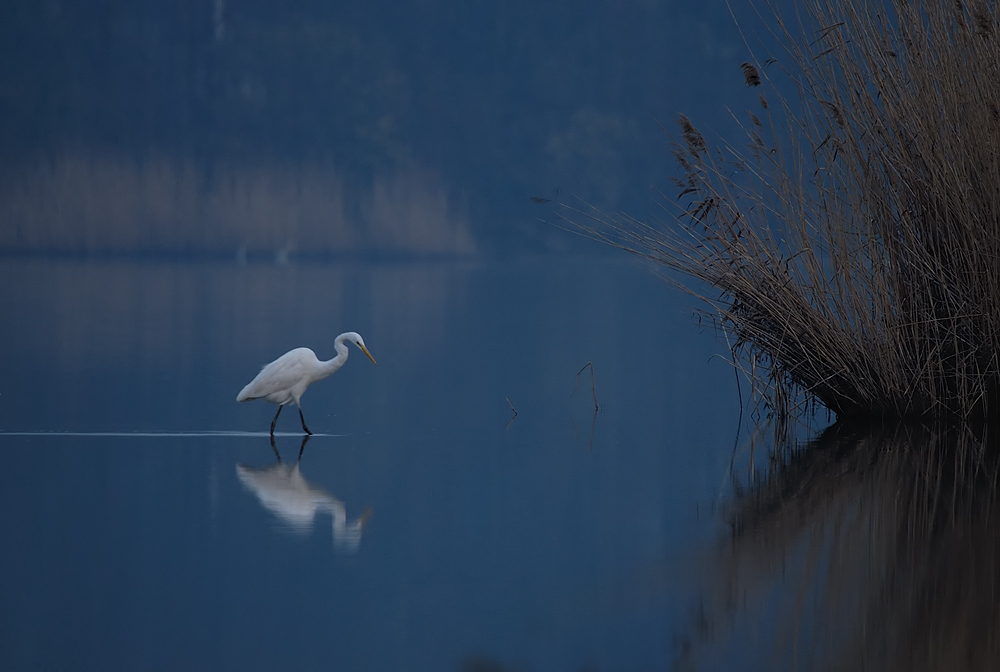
(285,380)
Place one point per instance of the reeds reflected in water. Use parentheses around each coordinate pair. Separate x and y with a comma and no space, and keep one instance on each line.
(865,549)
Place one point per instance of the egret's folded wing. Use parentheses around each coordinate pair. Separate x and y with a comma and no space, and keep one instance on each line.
(279,375)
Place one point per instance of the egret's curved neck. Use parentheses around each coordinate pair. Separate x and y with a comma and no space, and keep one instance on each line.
(331,365)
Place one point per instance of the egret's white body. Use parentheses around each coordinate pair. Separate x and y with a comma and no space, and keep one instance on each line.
(285,380)
(288,495)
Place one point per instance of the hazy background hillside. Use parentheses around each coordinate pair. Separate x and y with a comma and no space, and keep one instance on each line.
(250,127)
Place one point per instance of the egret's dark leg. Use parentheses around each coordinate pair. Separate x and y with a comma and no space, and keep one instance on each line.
(275,449)
(275,421)
(303,419)
(305,440)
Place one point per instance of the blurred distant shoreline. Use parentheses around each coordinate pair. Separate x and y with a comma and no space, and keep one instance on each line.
(105,204)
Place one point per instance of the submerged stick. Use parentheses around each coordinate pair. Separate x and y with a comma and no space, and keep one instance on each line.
(593,426)
(592,388)
(513,409)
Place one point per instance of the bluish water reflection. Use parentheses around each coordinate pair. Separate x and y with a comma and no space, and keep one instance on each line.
(536,542)
(284,491)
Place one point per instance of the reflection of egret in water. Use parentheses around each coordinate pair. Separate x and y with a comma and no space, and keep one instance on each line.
(863,550)
(284,491)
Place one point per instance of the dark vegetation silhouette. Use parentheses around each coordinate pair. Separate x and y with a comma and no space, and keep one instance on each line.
(849,250)
(862,549)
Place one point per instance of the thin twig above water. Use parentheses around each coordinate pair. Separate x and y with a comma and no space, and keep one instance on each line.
(593,389)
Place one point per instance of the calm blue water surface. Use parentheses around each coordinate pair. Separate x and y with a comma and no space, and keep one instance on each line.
(148,524)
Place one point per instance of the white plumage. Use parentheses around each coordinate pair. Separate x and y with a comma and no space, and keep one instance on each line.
(285,380)
(284,491)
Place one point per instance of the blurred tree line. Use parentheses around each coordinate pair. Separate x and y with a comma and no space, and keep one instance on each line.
(504,100)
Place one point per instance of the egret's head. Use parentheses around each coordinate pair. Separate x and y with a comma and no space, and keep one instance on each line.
(355,337)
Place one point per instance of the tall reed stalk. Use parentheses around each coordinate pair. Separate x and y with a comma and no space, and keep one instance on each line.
(853,243)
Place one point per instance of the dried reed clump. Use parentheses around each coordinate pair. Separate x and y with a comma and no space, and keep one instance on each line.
(854,245)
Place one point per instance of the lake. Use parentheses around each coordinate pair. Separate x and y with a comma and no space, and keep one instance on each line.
(461,506)
(551,467)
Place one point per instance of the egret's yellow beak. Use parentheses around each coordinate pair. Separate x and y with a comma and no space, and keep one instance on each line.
(365,350)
